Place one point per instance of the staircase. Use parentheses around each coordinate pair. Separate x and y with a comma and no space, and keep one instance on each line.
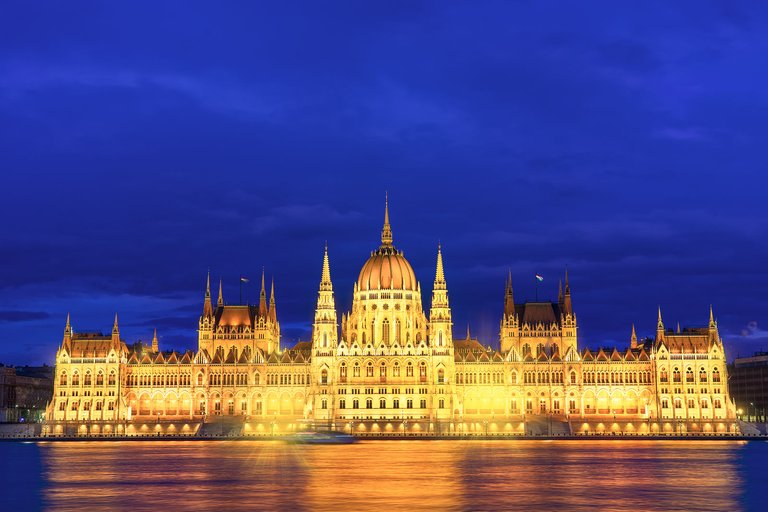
(750,429)
(222,426)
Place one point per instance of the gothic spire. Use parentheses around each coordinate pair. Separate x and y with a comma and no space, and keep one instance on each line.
(155,347)
(207,308)
(509,299)
(272,308)
(263,297)
(560,292)
(386,232)
(439,272)
(712,323)
(114,327)
(68,327)
(220,302)
(325,277)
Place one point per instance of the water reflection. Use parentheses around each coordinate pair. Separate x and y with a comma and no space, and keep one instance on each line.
(445,475)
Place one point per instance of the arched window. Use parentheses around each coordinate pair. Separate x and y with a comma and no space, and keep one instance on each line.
(383,372)
(257,378)
(702,374)
(715,375)
(423,372)
(526,349)
(75,379)
(100,379)
(689,375)
(398,330)
(385,331)
(199,379)
(87,380)
(396,369)
(325,339)
(513,378)
(356,370)
(440,339)
(440,376)
(63,379)
(369,370)
(111,379)
(324,376)
(676,377)
(409,369)
(663,376)
(343,372)
(573,377)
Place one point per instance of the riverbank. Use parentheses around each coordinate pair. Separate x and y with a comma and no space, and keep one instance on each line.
(396,437)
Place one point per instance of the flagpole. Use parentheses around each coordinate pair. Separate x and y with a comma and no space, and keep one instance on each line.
(536,286)
(241,290)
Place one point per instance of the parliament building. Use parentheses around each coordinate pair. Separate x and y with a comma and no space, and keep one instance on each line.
(388,366)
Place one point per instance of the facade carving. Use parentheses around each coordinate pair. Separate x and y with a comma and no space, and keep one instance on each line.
(388,367)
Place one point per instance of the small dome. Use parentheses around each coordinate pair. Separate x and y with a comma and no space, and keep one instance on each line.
(387,269)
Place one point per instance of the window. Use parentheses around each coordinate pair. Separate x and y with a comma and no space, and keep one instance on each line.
(342,404)
(440,376)
(355,404)
(87,380)
(513,378)
(98,405)
(199,379)
(396,370)
(62,406)
(409,403)
(409,370)
(676,375)
(369,403)
(715,375)
(385,331)
(324,377)
(356,370)
(75,379)
(324,403)
(513,406)
(343,373)
(423,372)
(382,403)
(573,377)
(63,379)
(689,375)
(369,370)
(395,403)
(100,379)
(717,403)
(664,403)
(702,375)
(664,376)
(423,403)
(383,373)
(441,403)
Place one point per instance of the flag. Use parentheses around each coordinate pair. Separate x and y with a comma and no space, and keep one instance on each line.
(539,278)
(243,279)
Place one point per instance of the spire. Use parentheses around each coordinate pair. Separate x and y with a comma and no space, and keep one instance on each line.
(115,331)
(633,338)
(325,277)
(560,292)
(154,342)
(220,302)
(567,305)
(509,299)
(207,307)
(272,308)
(469,335)
(67,330)
(263,297)
(386,232)
(712,323)
(678,327)
(439,273)
(660,324)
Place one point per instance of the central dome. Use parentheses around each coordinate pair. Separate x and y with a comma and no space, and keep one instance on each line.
(387,268)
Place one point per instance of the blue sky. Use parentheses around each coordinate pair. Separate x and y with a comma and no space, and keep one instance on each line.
(143,144)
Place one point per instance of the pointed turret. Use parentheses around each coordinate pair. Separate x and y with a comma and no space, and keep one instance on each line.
(567,305)
(712,323)
(272,308)
(67,331)
(324,330)
(469,334)
(659,327)
(207,306)
(439,272)
(220,301)
(325,277)
(633,338)
(386,231)
(678,328)
(509,298)
(115,330)
(560,292)
(155,347)
(263,297)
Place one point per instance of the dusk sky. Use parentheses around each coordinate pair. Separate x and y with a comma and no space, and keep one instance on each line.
(142,145)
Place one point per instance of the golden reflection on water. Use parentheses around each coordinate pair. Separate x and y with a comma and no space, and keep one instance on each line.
(394,475)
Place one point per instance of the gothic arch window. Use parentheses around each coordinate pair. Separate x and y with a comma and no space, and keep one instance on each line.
(555,348)
(418,337)
(63,379)
(573,377)
(440,339)
(513,377)
(111,379)
(409,369)
(663,376)
(715,375)
(385,331)
(539,349)
(324,377)
(689,375)
(356,370)
(369,369)
(325,339)
(703,374)
(257,378)
(676,375)
(398,331)
(87,380)
(526,349)
(75,379)
(199,379)
(100,379)
(440,376)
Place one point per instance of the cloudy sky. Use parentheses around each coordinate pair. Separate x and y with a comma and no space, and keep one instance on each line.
(143,144)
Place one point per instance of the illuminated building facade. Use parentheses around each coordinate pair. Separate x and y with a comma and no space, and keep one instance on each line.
(388,367)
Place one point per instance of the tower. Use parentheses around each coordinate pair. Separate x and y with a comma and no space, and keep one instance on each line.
(509,331)
(324,341)
(440,323)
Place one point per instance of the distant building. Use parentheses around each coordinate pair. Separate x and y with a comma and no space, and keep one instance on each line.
(390,365)
(748,384)
(24,393)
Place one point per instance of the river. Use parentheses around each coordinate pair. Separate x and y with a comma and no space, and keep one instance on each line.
(385,475)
